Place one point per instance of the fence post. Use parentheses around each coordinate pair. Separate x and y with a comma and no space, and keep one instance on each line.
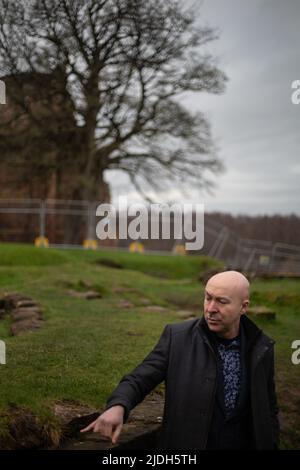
(273,254)
(222,243)
(42,219)
(237,261)
(250,260)
(90,241)
(217,242)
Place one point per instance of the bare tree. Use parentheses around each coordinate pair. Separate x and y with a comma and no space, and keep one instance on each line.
(125,63)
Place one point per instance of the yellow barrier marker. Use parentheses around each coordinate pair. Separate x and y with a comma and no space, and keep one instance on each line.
(179,250)
(41,242)
(90,243)
(136,247)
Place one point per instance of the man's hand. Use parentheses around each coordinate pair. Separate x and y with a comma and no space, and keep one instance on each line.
(109,423)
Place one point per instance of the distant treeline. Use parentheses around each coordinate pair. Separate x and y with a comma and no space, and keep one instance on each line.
(275,228)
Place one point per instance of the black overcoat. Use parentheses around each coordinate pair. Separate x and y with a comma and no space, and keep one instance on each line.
(185,360)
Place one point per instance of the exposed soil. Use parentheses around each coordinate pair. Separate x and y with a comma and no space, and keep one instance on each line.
(140,431)
(26,432)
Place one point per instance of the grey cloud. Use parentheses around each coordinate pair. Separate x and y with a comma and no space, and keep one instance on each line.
(256,125)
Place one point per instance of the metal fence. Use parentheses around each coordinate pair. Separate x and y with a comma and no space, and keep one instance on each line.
(61,222)
(73,224)
(250,255)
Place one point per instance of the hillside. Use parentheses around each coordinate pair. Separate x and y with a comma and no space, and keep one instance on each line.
(84,346)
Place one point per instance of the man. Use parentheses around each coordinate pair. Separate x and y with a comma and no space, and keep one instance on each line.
(219,377)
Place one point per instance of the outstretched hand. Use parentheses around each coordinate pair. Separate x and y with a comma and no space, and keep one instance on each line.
(109,423)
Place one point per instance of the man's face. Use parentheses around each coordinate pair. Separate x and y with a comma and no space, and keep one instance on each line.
(223,307)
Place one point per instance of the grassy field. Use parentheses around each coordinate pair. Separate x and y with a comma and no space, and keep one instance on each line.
(86,346)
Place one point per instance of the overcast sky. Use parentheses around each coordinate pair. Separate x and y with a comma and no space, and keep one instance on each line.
(255,124)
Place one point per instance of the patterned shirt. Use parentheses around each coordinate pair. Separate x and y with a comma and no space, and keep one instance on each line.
(229,351)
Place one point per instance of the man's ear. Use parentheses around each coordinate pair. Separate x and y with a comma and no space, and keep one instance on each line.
(245,305)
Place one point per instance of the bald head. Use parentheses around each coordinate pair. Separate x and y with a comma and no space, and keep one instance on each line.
(226,299)
(233,282)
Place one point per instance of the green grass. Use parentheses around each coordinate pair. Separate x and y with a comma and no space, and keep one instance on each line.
(26,255)
(86,346)
(166,267)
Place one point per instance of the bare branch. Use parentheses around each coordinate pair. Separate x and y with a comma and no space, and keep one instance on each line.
(123,66)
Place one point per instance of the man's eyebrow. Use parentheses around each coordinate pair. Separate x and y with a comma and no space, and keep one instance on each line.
(220,297)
